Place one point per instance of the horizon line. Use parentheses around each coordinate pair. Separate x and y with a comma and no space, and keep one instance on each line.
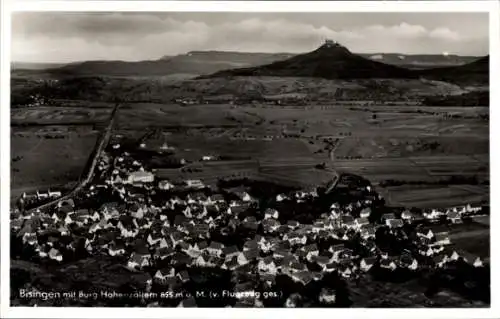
(245,52)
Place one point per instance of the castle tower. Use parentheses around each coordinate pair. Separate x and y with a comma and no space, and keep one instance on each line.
(329,43)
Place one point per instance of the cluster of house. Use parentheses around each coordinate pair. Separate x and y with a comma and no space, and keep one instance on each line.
(39,196)
(36,100)
(179,231)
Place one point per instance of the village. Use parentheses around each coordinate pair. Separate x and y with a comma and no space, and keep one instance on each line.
(167,228)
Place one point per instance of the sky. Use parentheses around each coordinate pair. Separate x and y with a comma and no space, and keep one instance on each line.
(62,37)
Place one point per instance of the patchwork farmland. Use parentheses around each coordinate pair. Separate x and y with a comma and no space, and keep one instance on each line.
(51,145)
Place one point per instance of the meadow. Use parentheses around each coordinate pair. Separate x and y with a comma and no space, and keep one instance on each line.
(50,145)
(39,162)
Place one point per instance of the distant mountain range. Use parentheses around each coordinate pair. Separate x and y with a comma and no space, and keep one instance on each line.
(207,62)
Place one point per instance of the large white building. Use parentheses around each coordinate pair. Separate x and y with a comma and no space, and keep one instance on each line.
(141,177)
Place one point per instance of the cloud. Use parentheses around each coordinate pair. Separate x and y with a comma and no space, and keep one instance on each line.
(445,34)
(135,36)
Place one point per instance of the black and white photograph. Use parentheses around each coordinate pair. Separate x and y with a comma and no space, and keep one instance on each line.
(249,159)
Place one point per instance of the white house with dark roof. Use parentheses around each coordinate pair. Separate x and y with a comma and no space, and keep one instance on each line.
(311,251)
(303,277)
(28,235)
(367,263)
(138,260)
(271,213)
(360,222)
(425,233)
(267,265)
(345,270)
(215,248)
(194,183)
(442,239)
(165,185)
(387,217)
(154,238)
(165,273)
(365,212)
(281,197)
(295,238)
(478,262)
(394,223)
(453,256)
(433,214)
(454,217)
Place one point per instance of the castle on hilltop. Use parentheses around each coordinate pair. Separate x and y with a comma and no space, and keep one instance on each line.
(330,43)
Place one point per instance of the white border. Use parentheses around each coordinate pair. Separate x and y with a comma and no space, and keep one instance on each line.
(240,6)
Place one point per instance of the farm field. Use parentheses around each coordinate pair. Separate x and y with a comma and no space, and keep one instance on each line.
(172,115)
(194,147)
(476,243)
(54,115)
(410,144)
(396,146)
(298,173)
(430,169)
(431,196)
(40,162)
(403,143)
(400,131)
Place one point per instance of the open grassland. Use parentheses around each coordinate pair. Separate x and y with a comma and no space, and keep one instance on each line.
(41,160)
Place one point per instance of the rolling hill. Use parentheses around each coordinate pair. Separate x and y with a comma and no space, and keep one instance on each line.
(474,73)
(334,61)
(329,61)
